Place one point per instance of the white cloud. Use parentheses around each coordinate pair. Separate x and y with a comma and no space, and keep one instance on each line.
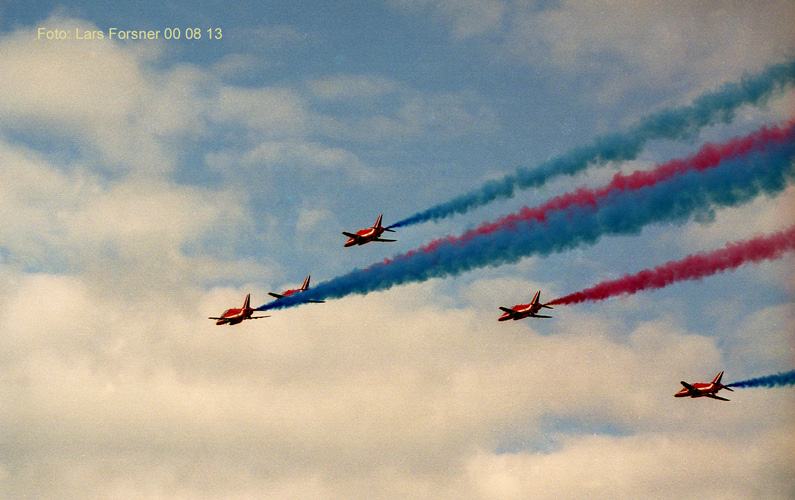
(469,18)
(647,466)
(387,404)
(72,219)
(276,112)
(309,157)
(668,40)
(763,340)
(620,47)
(761,216)
(416,115)
(341,87)
(79,82)
(97,93)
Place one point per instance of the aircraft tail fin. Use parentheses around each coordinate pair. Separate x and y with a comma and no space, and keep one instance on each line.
(306,283)
(378,221)
(717,381)
(247,301)
(537,300)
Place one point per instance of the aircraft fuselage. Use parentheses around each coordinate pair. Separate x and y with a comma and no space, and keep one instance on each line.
(234,316)
(367,235)
(520,312)
(364,236)
(703,390)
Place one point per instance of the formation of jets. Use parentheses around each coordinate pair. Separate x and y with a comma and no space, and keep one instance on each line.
(235,316)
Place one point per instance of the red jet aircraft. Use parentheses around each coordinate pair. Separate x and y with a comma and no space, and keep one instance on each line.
(699,390)
(367,235)
(303,288)
(234,316)
(525,311)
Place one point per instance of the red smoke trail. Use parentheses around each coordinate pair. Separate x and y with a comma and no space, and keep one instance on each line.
(692,267)
(710,155)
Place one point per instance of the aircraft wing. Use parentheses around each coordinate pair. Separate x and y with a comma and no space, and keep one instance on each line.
(715,396)
(505,309)
(540,316)
(351,235)
(217,318)
(316,301)
(688,386)
(275,295)
(258,317)
(382,239)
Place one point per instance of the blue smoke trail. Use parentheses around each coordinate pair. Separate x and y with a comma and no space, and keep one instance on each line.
(676,123)
(735,181)
(780,379)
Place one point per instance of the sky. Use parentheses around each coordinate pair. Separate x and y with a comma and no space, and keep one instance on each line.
(148,184)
